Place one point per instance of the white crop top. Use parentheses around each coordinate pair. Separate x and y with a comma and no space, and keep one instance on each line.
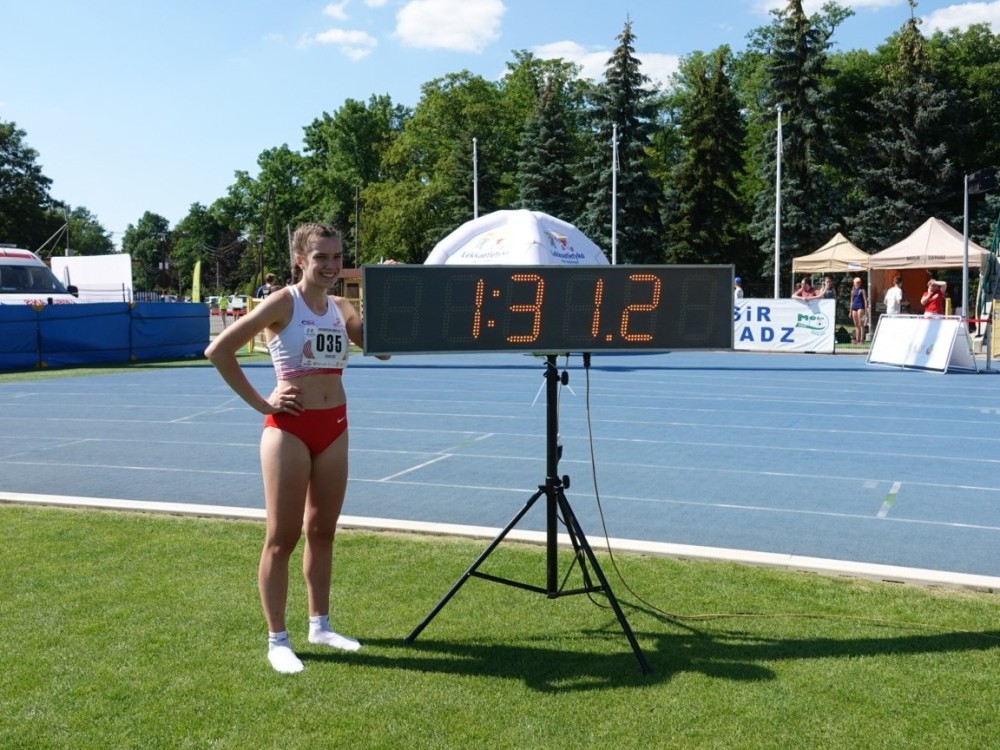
(310,344)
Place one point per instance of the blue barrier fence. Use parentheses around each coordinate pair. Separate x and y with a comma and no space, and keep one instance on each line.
(100,332)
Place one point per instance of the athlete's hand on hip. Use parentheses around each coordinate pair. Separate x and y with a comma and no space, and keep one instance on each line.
(285,398)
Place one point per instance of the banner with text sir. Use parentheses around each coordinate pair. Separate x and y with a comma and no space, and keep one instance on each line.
(784,325)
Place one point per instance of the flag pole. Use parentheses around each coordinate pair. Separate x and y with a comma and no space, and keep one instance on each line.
(965,251)
(614,194)
(777,213)
(475,179)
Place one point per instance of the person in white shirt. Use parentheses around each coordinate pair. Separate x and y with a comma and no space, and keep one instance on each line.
(737,288)
(894,297)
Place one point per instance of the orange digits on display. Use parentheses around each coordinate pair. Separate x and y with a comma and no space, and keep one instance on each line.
(595,324)
(534,308)
(641,306)
(477,316)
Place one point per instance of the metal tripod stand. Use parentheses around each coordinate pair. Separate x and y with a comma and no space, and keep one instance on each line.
(556,504)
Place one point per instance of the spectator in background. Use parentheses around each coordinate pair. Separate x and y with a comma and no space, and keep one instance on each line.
(894,296)
(223,308)
(829,291)
(737,288)
(266,288)
(933,298)
(859,304)
(806,290)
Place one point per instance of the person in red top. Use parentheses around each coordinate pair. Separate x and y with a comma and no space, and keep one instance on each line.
(806,290)
(933,299)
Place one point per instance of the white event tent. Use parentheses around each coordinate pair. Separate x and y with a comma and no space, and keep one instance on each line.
(934,244)
(517,237)
(839,255)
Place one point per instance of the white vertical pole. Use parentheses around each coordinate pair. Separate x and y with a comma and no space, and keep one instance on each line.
(965,254)
(475,179)
(777,213)
(614,194)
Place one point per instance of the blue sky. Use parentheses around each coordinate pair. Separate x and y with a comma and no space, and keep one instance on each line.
(137,105)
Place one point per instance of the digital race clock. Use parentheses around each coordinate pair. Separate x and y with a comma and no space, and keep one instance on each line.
(424,309)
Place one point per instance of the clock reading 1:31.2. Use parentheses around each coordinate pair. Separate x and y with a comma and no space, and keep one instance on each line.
(410,309)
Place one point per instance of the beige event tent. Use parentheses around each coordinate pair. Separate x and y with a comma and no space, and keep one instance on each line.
(839,255)
(933,244)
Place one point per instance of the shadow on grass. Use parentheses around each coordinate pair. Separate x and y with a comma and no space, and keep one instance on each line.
(739,656)
(540,668)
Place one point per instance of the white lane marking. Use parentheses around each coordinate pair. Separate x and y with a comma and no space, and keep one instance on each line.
(414,468)
(889,500)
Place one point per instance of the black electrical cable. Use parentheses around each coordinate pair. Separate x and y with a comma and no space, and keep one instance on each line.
(716,615)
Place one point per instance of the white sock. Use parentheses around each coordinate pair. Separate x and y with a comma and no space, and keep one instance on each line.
(280,654)
(320,632)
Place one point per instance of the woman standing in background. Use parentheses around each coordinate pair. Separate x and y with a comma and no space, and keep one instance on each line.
(859,304)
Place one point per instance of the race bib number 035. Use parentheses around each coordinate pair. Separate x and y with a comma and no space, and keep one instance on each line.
(325,347)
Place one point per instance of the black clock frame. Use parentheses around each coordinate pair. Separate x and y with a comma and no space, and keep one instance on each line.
(412,309)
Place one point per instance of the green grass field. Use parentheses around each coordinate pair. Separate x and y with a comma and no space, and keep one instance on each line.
(141,631)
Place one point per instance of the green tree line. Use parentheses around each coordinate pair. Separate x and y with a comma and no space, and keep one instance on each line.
(873,143)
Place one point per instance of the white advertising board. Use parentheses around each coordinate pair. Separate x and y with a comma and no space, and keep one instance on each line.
(99,278)
(939,343)
(784,325)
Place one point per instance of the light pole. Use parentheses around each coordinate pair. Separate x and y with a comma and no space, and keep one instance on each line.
(163,277)
(779,148)
(978,182)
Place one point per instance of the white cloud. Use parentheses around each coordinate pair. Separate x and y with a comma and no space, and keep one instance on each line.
(591,63)
(353,44)
(337,11)
(658,66)
(376,3)
(962,16)
(457,25)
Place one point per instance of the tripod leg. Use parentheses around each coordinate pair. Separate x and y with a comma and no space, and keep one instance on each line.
(579,557)
(574,524)
(472,568)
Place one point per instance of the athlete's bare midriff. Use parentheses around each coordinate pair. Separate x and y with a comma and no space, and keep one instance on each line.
(320,391)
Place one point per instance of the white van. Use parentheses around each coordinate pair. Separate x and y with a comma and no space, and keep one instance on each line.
(26,280)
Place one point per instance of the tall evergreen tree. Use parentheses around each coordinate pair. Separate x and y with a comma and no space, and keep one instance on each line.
(799,83)
(544,171)
(622,100)
(707,223)
(907,175)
